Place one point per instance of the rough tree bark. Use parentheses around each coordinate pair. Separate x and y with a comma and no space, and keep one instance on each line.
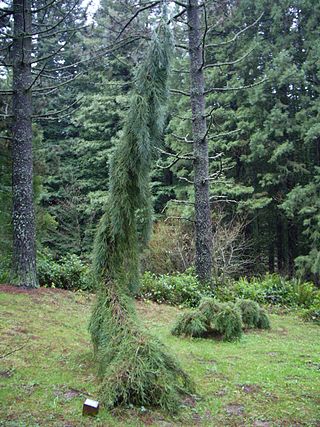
(24,257)
(203,224)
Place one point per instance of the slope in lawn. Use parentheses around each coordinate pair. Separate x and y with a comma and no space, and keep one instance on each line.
(269,378)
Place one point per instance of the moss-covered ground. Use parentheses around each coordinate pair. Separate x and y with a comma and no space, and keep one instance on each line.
(269,378)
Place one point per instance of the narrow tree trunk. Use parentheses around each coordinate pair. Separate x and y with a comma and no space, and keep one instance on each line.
(203,224)
(24,259)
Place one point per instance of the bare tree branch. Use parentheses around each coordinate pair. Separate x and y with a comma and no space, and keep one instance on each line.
(234,38)
(226,89)
(220,64)
(135,15)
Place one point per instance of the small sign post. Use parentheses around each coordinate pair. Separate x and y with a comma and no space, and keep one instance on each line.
(90,407)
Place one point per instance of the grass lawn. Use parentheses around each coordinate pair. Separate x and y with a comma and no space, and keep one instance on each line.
(269,378)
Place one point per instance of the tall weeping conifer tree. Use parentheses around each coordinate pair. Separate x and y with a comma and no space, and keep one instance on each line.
(135,367)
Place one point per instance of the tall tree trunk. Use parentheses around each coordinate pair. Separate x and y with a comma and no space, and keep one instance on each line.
(24,258)
(203,223)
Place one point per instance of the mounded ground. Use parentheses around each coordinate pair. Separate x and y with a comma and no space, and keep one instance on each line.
(269,378)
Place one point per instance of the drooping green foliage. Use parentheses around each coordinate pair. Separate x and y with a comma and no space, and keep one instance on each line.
(129,209)
(192,324)
(249,312)
(264,321)
(134,367)
(228,322)
(224,319)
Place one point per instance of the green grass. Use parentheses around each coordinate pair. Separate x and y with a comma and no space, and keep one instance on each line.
(269,378)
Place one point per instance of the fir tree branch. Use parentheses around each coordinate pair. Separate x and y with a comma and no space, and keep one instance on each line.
(186,156)
(179,3)
(51,55)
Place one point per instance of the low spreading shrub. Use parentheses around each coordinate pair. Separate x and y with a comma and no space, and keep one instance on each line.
(192,324)
(220,318)
(70,272)
(250,312)
(263,322)
(228,322)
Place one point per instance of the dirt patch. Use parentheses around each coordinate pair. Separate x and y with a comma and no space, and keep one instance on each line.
(6,373)
(12,289)
(313,365)
(203,361)
(259,423)
(189,401)
(250,388)
(235,409)
(70,393)
(221,392)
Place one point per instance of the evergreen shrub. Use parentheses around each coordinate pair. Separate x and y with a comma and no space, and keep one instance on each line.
(263,322)
(250,312)
(212,317)
(192,323)
(228,322)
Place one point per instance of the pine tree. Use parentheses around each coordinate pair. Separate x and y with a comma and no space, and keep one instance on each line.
(135,368)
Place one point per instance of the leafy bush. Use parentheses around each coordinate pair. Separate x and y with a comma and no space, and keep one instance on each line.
(312,313)
(250,312)
(182,289)
(4,270)
(270,289)
(70,272)
(192,323)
